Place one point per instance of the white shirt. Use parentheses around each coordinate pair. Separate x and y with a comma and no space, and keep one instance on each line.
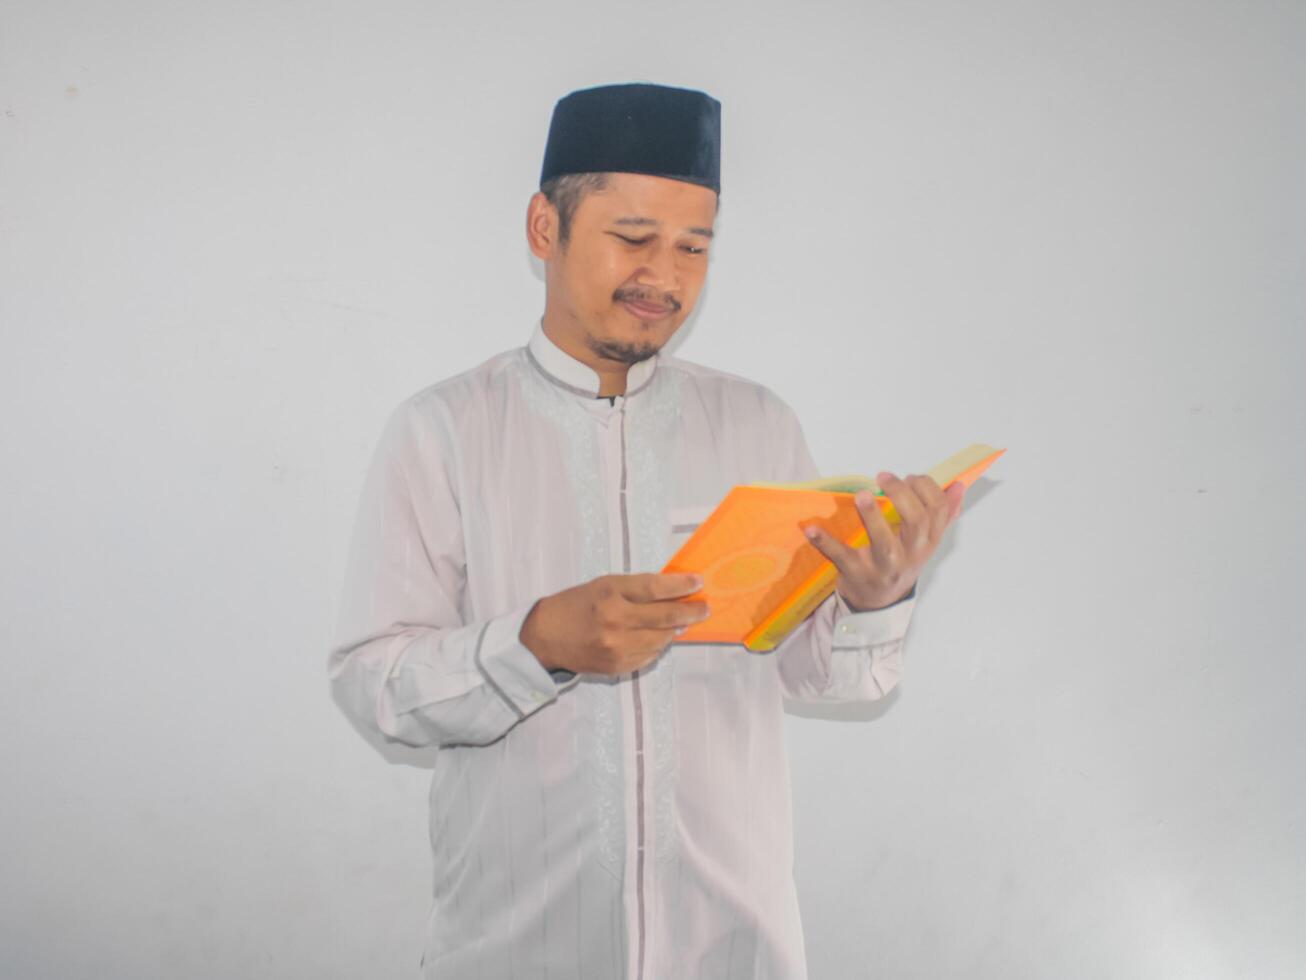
(587,826)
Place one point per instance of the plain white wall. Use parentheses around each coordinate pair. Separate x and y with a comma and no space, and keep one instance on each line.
(233,236)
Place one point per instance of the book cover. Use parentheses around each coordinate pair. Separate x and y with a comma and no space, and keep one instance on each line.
(761,576)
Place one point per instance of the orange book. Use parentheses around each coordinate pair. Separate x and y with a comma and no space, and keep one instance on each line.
(761,576)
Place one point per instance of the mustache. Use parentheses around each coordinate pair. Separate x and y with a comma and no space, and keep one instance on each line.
(636,296)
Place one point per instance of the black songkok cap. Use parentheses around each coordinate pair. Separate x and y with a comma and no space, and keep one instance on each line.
(637,129)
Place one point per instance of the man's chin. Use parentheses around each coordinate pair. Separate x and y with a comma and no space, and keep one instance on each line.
(627,354)
(625,351)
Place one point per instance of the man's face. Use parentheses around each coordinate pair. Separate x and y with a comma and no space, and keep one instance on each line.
(634,264)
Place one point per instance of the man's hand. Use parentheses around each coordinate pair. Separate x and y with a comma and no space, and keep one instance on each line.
(883,572)
(614,624)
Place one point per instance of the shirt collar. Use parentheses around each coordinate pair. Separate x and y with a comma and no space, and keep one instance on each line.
(577,376)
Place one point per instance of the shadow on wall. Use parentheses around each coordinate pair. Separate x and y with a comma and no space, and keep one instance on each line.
(863,711)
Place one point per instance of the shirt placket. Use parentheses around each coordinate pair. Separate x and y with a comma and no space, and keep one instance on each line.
(616,454)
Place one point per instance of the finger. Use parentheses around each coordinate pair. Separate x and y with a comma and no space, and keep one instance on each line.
(670,614)
(830,546)
(915,530)
(929,491)
(655,586)
(651,648)
(904,499)
(885,548)
(639,649)
(937,506)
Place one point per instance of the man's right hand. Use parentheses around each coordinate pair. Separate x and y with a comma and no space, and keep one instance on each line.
(614,624)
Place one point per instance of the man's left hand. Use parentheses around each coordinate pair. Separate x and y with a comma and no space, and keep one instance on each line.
(884,571)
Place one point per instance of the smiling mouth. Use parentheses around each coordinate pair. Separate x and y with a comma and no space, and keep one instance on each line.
(646,312)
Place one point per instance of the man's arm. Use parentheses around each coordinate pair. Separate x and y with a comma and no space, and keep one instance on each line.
(835,654)
(840,655)
(403,663)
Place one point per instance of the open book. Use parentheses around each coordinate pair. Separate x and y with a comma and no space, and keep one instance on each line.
(761,576)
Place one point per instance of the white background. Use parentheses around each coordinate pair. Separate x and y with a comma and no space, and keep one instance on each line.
(233,236)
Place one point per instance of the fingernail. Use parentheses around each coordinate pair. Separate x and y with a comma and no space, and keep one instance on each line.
(811,533)
(697,581)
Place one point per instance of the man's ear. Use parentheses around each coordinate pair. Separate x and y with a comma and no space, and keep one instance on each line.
(542,227)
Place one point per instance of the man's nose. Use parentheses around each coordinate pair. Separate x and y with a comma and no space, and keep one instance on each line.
(659,270)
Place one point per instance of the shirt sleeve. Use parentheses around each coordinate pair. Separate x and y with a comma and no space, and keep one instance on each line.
(835,654)
(403,662)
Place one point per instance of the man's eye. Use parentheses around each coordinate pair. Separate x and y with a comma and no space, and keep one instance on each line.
(691,249)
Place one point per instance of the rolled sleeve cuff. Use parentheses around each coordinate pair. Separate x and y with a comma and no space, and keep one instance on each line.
(511,670)
(874,627)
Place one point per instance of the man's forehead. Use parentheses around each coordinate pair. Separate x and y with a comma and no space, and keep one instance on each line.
(640,199)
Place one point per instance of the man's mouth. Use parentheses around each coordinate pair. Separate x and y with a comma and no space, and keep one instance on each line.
(646,311)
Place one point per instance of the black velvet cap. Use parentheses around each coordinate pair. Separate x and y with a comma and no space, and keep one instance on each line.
(638,129)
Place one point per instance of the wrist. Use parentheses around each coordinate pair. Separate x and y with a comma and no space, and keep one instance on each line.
(902,597)
(530,638)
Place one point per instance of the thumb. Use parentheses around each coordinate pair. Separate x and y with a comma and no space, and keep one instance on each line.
(830,546)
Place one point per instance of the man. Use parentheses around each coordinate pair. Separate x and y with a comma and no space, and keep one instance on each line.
(606,802)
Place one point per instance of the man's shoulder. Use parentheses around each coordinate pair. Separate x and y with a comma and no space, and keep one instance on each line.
(734,387)
(458,389)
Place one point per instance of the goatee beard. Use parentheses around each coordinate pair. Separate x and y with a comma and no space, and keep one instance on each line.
(616,350)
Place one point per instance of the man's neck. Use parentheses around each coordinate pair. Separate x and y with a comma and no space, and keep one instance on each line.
(612,374)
